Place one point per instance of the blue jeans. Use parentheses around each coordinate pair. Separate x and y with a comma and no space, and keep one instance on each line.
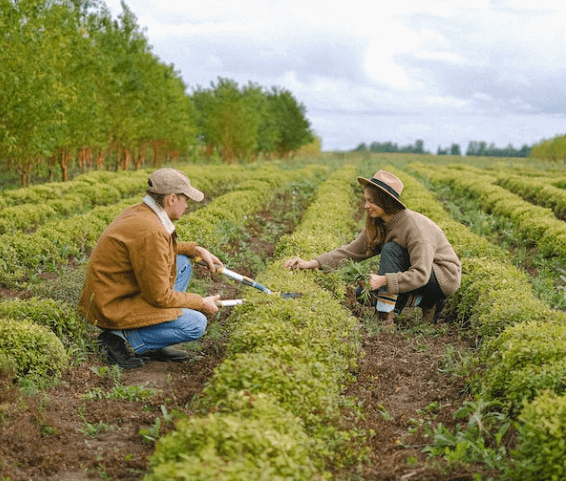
(189,326)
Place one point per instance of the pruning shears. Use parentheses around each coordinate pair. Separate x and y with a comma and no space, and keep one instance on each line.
(238,277)
(248,282)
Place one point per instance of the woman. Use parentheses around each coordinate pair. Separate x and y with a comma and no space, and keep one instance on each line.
(416,258)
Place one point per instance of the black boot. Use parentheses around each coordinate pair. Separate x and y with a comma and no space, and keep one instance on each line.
(116,351)
(165,354)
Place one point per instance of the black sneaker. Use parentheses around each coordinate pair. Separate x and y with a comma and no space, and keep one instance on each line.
(117,352)
(165,354)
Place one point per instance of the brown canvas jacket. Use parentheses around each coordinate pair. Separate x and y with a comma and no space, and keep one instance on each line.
(131,274)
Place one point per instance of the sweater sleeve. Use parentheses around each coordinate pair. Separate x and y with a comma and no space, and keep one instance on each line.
(357,250)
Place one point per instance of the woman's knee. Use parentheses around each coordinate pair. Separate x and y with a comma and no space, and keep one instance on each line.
(394,258)
(392,249)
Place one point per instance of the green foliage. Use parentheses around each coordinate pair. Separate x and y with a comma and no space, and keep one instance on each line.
(524,360)
(35,350)
(495,295)
(553,149)
(59,317)
(244,121)
(230,447)
(480,440)
(541,443)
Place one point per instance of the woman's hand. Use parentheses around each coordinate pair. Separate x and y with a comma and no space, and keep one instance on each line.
(298,263)
(376,281)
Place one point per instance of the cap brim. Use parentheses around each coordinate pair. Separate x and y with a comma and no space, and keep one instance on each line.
(194,194)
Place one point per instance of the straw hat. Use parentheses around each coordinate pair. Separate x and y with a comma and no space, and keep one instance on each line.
(386,182)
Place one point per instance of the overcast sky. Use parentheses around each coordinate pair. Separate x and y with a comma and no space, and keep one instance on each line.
(398,70)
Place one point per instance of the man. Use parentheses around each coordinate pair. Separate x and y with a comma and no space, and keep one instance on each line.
(138,274)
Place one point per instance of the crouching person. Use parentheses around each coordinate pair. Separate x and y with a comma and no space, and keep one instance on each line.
(138,274)
(417,262)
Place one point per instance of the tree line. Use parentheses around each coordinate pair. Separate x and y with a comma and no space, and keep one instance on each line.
(551,149)
(475,148)
(78,86)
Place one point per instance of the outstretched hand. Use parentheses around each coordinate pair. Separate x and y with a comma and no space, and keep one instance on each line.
(298,263)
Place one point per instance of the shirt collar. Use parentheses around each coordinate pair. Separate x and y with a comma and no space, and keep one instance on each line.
(161,214)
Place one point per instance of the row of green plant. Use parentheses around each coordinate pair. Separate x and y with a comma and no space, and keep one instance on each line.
(58,320)
(273,409)
(29,207)
(212,227)
(541,191)
(24,209)
(39,336)
(537,225)
(25,256)
(522,342)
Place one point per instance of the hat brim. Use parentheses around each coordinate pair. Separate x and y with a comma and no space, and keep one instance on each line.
(193,194)
(364,182)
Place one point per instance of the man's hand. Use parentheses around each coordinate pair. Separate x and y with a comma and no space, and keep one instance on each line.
(298,263)
(209,258)
(210,307)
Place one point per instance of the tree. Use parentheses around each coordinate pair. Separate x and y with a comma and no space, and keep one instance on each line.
(293,128)
(228,119)
(455,150)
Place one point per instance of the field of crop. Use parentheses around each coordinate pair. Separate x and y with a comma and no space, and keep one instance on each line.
(311,388)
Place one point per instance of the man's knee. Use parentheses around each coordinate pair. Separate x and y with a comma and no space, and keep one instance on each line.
(195,326)
(183,263)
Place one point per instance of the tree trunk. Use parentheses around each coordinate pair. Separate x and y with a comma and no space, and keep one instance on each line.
(64,159)
(157,153)
(99,159)
(127,159)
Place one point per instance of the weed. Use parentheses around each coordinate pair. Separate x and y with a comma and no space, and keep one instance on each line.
(94,430)
(481,440)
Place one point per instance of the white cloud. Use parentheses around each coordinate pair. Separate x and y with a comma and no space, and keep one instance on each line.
(356,64)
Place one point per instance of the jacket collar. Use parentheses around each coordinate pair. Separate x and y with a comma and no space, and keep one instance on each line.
(161,214)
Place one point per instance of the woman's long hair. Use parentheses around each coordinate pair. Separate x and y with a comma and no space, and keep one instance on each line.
(374,225)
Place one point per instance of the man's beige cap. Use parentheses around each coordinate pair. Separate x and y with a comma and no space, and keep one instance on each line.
(172,181)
